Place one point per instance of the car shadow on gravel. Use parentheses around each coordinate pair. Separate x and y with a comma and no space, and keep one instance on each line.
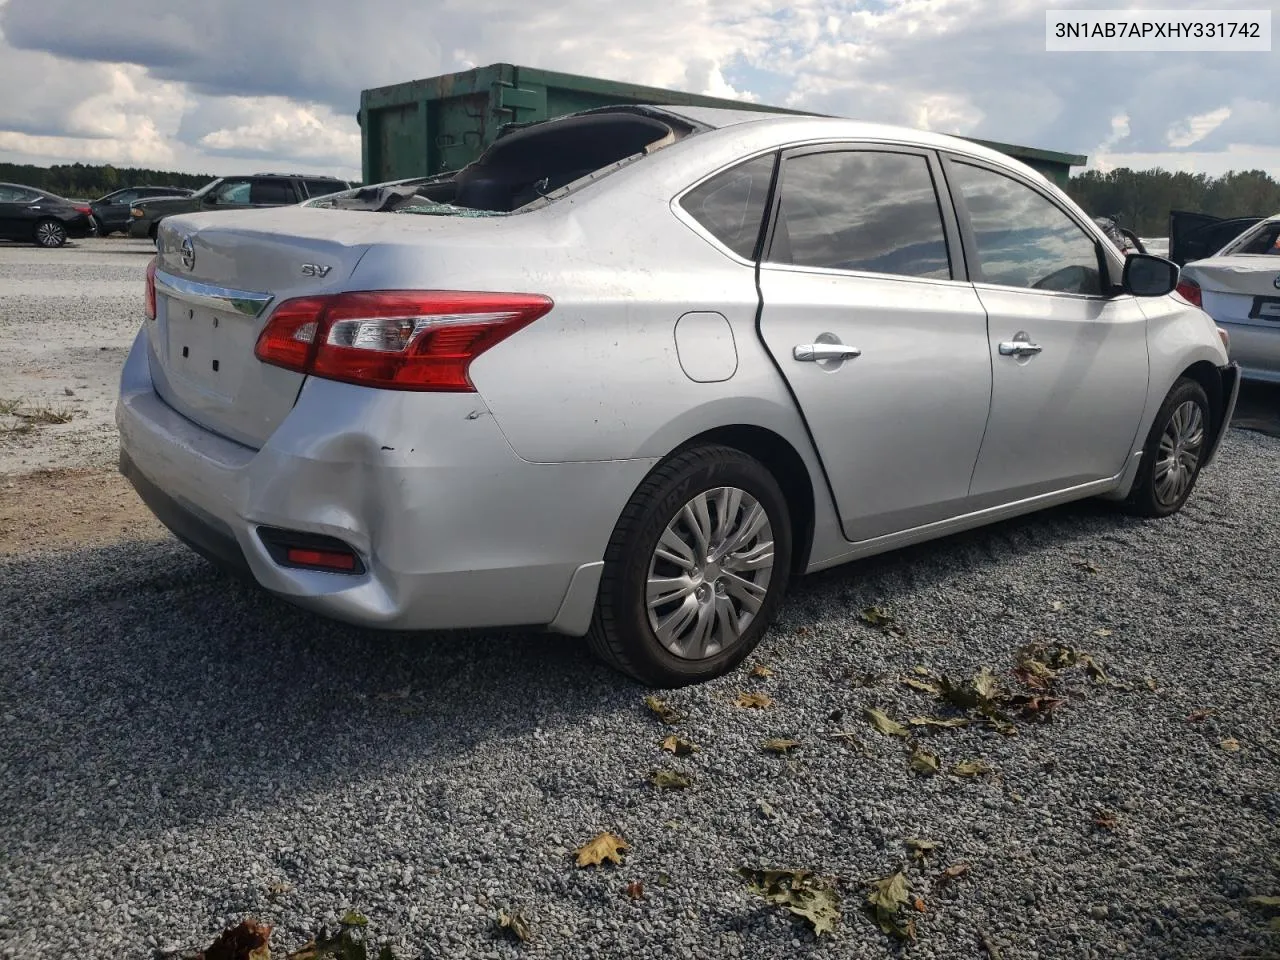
(165,691)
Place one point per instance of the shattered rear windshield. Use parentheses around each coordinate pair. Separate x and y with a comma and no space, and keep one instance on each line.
(403,196)
(524,167)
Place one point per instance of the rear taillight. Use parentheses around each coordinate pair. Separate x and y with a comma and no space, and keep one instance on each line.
(395,339)
(151,289)
(1189,291)
(87,211)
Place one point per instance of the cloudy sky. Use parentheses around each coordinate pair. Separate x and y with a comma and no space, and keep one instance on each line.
(243,85)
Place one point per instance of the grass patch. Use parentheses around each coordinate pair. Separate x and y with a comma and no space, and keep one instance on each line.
(46,414)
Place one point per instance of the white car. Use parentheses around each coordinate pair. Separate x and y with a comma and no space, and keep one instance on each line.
(1239,287)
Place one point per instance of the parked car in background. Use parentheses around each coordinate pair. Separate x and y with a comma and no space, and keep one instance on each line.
(232,193)
(1194,236)
(39,217)
(1239,286)
(112,211)
(633,369)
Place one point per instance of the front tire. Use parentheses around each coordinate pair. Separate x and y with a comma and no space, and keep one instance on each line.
(696,569)
(1173,452)
(50,233)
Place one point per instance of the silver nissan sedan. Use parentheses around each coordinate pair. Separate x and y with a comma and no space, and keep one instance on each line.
(634,369)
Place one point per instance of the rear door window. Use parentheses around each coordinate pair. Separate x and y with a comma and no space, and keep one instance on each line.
(731,205)
(320,188)
(1023,239)
(274,192)
(232,193)
(864,210)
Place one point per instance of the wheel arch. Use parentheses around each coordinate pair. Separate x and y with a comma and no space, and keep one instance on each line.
(782,460)
(1210,379)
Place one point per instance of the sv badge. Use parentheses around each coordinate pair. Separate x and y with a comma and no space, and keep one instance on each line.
(315,270)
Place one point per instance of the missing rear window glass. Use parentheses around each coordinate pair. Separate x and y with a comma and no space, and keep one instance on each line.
(526,165)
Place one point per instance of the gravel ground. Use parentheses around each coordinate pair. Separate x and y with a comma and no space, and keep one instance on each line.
(67,318)
(175,744)
(179,751)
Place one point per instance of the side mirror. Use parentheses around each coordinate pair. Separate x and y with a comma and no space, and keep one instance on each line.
(1148,276)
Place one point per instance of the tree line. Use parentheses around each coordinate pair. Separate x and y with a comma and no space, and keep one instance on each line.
(87,181)
(1138,199)
(1141,199)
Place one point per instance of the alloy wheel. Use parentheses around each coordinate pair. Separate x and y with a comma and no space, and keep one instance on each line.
(709,573)
(50,233)
(1179,453)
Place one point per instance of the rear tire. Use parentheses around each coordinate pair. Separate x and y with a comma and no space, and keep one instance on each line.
(49,233)
(1173,452)
(696,569)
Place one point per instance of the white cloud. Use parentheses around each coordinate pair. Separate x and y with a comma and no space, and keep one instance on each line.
(247,83)
(1192,130)
(277,127)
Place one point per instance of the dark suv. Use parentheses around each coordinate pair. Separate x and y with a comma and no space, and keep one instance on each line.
(232,193)
(112,211)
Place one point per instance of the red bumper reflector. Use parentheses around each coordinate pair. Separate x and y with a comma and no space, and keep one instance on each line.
(322,559)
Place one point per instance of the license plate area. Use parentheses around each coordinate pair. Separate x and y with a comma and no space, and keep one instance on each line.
(1266,308)
(204,346)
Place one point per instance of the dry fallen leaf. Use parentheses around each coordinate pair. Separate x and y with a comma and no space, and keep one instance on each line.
(1199,716)
(753,701)
(920,848)
(247,940)
(1106,820)
(780,746)
(924,686)
(953,872)
(1088,566)
(924,762)
(515,924)
(761,671)
(970,768)
(604,847)
(883,620)
(918,903)
(884,723)
(669,780)
(888,896)
(1231,745)
(1104,632)
(678,746)
(849,738)
(1056,606)
(1152,685)
(941,724)
(663,710)
(802,892)
(635,890)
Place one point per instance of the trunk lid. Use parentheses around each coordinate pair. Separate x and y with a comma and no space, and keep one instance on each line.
(1239,289)
(219,276)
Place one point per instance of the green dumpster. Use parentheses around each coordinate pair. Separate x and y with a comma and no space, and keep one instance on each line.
(425,127)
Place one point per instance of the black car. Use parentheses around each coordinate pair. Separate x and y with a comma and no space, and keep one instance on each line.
(39,217)
(112,211)
(233,193)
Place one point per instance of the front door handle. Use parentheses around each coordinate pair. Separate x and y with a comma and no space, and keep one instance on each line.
(812,352)
(1019,348)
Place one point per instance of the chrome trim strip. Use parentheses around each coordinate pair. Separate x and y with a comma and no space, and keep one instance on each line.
(244,302)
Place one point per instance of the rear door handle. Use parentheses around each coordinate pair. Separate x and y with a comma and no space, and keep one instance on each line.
(811,352)
(1019,348)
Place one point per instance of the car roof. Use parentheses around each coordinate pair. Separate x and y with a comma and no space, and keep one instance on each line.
(803,126)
